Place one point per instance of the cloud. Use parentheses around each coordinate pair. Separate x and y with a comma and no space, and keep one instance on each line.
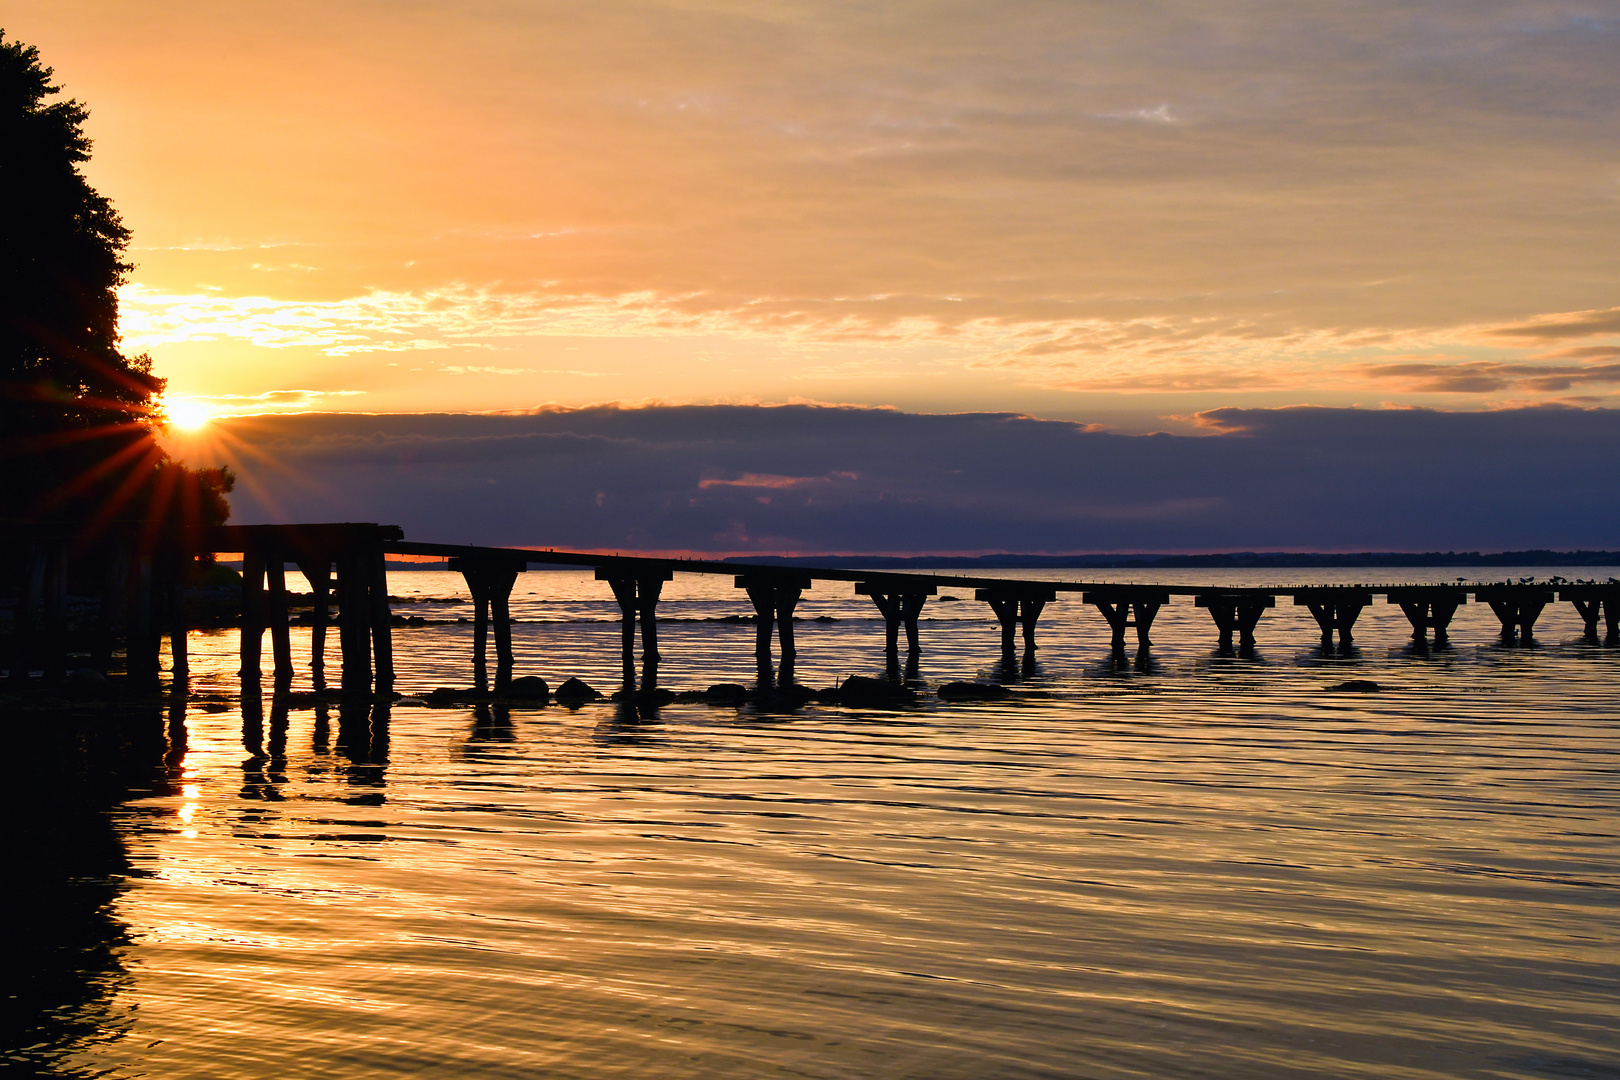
(821,479)
(1140,190)
(1553,328)
(1489,377)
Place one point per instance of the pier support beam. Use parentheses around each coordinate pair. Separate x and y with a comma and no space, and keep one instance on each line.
(490,581)
(1517,607)
(1334,609)
(275,614)
(1593,602)
(252,639)
(637,597)
(900,604)
(354,621)
(382,622)
(1429,609)
(774,597)
(318,572)
(1016,607)
(178,566)
(1126,606)
(1236,612)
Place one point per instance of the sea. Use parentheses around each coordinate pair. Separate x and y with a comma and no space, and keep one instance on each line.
(1178,864)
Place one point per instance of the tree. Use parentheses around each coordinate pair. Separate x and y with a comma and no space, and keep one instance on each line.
(79,416)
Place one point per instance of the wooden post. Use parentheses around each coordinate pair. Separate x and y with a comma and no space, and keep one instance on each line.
(624,592)
(889,607)
(1334,608)
(911,606)
(382,628)
(1440,616)
(774,596)
(252,643)
(647,593)
(899,602)
(500,580)
(1028,612)
(1006,612)
(275,574)
(175,618)
(648,590)
(1517,607)
(473,574)
(762,594)
(318,572)
(787,598)
(354,622)
(1589,611)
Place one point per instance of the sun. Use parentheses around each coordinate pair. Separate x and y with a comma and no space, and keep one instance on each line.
(187,414)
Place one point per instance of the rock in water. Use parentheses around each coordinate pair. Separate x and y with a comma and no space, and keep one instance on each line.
(528,688)
(858,690)
(1357,686)
(576,692)
(973,691)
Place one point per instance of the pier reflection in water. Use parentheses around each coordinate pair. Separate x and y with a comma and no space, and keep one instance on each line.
(1160,862)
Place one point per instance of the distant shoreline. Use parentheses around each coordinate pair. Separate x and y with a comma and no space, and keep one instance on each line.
(1241,560)
(1238,560)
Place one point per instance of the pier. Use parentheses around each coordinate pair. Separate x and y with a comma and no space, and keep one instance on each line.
(137,588)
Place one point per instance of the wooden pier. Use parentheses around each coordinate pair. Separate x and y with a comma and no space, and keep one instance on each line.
(345,564)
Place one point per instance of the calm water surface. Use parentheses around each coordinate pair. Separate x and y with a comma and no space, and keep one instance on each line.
(1194,867)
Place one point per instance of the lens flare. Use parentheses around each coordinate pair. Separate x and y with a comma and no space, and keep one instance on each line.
(187,414)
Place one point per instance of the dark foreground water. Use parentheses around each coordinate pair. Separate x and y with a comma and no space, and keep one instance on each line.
(1195,867)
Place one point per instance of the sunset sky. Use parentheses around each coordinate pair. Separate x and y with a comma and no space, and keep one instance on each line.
(1115,214)
(1069,209)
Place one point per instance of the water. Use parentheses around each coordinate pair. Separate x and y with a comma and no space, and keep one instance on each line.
(1213,867)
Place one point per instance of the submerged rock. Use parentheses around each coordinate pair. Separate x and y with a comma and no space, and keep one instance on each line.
(528,688)
(973,691)
(576,692)
(858,690)
(726,693)
(443,697)
(645,698)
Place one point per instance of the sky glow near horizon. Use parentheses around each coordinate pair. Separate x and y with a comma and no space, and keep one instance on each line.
(1078,211)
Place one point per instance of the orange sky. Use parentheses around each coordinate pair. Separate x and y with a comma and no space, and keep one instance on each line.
(1103,212)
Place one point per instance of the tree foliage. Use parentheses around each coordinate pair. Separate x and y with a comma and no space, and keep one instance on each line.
(78,414)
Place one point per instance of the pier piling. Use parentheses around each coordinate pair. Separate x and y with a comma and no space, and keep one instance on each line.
(1334,609)
(1128,606)
(1428,609)
(774,596)
(1517,607)
(1593,602)
(637,597)
(1017,606)
(1236,612)
(275,613)
(318,572)
(901,603)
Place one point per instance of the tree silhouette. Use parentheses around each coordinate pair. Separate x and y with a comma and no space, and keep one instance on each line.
(78,414)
